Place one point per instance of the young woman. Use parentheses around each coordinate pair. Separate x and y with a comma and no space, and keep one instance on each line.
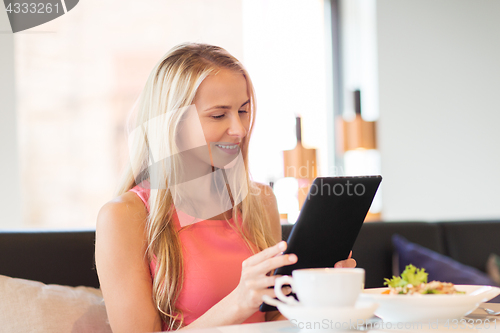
(190,240)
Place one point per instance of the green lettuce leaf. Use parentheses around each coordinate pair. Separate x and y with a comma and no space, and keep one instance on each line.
(432,291)
(411,275)
(414,276)
(396,281)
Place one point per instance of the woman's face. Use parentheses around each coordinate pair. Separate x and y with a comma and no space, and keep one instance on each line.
(220,120)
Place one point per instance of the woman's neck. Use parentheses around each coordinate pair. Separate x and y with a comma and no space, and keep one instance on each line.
(207,197)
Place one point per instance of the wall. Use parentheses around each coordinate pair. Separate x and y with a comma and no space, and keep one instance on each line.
(77,78)
(10,196)
(439,78)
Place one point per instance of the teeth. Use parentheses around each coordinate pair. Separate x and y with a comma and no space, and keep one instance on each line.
(227,147)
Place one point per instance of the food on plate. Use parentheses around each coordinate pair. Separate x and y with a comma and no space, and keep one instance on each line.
(414,281)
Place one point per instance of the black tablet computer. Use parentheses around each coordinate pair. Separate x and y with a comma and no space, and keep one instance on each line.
(329,222)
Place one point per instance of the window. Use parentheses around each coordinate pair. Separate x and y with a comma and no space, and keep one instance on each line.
(78,76)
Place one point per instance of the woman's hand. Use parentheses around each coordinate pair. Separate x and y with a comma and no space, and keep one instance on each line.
(255,278)
(348,263)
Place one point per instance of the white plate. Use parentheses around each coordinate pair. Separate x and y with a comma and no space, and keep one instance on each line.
(334,318)
(418,308)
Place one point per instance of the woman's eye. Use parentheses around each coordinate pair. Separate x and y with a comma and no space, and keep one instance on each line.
(220,116)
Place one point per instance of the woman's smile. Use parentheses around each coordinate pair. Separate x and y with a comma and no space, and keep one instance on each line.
(228,147)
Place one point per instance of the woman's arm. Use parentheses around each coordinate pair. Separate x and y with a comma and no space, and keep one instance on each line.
(122,266)
(126,282)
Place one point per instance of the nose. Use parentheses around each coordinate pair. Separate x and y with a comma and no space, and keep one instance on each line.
(236,128)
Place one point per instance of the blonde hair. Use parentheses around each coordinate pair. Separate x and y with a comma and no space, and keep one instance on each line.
(169,91)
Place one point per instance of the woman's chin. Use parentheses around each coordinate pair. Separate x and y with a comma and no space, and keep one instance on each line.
(225,162)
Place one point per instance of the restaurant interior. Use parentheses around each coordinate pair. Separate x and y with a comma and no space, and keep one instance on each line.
(405,89)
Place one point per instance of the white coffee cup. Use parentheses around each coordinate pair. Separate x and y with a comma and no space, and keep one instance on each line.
(322,287)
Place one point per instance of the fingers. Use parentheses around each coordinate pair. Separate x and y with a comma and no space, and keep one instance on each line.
(348,263)
(265,254)
(351,263)
(272,294)
(257,294)
(286,290)
(273,263)
(267,281)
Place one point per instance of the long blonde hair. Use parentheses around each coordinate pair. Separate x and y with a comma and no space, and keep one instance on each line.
(169,90)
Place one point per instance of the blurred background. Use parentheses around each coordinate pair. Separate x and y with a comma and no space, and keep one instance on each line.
(403,88)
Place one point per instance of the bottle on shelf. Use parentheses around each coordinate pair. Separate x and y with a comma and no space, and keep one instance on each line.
(300,163)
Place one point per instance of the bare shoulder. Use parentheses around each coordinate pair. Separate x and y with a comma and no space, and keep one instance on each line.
(121,223)
(124,210)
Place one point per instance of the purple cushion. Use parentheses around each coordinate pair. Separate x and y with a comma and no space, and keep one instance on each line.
(440,267)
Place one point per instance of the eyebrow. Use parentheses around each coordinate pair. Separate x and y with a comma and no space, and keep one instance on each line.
(225,107)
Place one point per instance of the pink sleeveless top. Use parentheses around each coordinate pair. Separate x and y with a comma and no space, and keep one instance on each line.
(213,253)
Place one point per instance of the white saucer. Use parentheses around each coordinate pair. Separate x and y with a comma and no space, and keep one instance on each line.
(329,318)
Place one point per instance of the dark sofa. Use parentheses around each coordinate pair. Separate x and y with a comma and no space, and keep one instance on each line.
(67,257)
(52,257)
(468,242)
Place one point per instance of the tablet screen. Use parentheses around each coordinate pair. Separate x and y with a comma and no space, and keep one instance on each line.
(329,222)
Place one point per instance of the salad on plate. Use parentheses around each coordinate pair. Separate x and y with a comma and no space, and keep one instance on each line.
(410,298)
(414,281)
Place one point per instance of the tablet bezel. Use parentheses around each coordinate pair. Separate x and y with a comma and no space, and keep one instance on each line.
(346,211)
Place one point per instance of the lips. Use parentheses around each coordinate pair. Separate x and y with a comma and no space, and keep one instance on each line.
(229,148)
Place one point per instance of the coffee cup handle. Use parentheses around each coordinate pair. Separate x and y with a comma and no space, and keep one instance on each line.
(278,284)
